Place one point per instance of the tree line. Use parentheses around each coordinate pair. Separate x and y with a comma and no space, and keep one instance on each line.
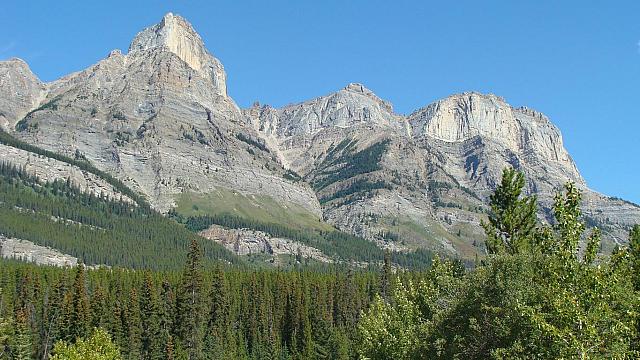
(79,162)
(94,228)
(542,292)
(201,312)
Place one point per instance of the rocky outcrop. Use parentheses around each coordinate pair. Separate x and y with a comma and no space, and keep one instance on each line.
(11,248)
(438,169)
(159,119)
(177,35)
(250,242)
(352,106)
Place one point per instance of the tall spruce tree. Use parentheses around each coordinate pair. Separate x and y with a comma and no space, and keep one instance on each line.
(98,307)
(152,339)
(386,276)
(512,221)
(134,327)
(190,318)
(21,348)
(80,312)
(634,250)
(166,313)
(53,317)
(218,338)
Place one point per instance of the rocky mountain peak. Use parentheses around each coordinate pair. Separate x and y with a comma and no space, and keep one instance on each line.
(358,88)
(115,53)
(15,62)
(460,117)
(20,91)
(175,34)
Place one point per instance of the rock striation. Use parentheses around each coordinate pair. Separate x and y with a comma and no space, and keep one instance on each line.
(159,119)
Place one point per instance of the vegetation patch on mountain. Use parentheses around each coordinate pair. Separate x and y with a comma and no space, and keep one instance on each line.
(95,229)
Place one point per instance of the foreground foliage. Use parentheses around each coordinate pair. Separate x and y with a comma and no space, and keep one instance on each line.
(97,347)
(538,295)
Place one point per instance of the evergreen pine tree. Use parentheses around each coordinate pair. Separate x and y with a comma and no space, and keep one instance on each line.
(165,315)
(116,327)
(386,276)
(218,336)
(134,327)
(152,340)
(52,318)
(66,324)
(190,305)
(80,315)
(339,345)
(21,348)
(98,307)
(634,249)
(6,330)
(169,350)
(512,221)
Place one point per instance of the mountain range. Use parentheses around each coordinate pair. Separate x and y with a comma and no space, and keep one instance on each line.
(159,120)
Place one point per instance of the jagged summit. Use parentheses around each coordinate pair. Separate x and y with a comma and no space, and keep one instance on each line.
(20,91)
(16,60)
(169,32)
(357,87)
(175,34)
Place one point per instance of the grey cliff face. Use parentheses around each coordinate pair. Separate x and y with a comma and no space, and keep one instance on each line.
(352,106)
(20,91)
(159,118)
(178,36)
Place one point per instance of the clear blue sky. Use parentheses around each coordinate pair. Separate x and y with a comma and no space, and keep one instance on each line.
(576,61)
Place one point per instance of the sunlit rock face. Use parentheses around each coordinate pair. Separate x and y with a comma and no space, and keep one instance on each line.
(178,36)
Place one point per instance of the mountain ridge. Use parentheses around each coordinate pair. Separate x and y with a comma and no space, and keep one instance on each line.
(159,119)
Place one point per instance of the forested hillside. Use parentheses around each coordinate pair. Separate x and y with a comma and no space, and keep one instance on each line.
(98,230)
(200,313)
(539,294)
(341,246)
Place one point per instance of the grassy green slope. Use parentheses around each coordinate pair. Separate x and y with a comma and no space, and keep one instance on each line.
(260,208)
